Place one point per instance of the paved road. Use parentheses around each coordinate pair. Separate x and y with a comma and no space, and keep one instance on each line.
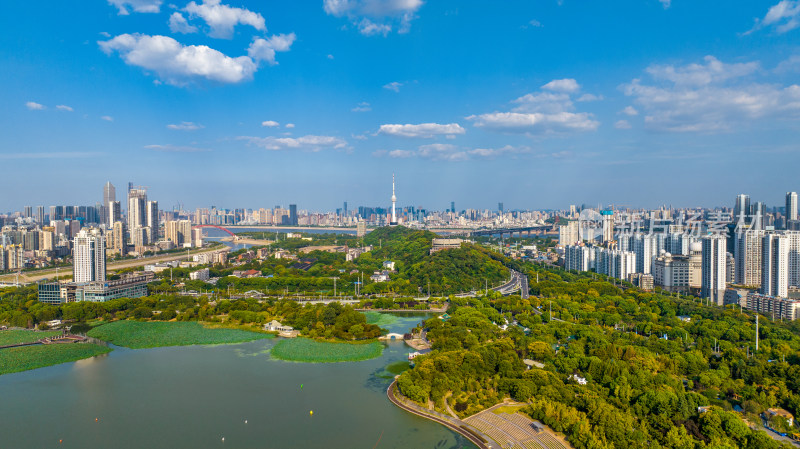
(66,272)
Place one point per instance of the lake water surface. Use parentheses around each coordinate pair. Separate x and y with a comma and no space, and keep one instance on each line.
(192,397)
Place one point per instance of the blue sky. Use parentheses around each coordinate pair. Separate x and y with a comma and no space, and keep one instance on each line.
(538,104)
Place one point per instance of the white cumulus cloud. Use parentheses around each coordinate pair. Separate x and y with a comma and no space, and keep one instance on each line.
(151,6)
(305,143)
(710,97)
(622,124)
(63,107)
(185,126)
(782,17)
(393,86)
(425,130)
(179,24)
(177,64)
(270,124)
(223,18)
(567,85)
(550,110)
(630,110)
(375,17)
(34,106)
(264,49)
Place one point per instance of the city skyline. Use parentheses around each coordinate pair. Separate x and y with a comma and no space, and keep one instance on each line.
(319,103)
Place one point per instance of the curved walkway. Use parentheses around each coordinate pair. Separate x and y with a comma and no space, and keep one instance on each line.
(453,424)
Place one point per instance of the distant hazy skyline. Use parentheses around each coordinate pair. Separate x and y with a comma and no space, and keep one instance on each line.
(538,105)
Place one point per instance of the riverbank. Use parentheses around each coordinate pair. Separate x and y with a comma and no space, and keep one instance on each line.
(313,351)
(475,436)
(14,360)
(153,334)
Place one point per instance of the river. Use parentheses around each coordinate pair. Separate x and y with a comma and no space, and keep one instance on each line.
(193,397)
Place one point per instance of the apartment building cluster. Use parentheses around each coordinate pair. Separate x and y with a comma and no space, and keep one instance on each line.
(748,247)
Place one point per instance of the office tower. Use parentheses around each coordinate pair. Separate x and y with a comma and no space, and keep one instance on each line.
(569,234)
(713,268)
(500,208)
(344,209)
(791,205)
(109,193)
(120,237)
(137,214)
(114,213)
(775,265)
(748,257)
(758,213)
(152,220)
(53,213)
(741,208)
(453,206)
(40,215)
(293,214)
(89,254)
(28,212)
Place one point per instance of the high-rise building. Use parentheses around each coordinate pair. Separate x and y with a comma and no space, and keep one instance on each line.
(608,225)
(89,255)
(344,209)
(114,213)
(137,209)
(741,208)
(109,195)
(361,228)
(713,268)
(500,208)
(645,246)
(775,265)
(791,205)
(569,234)
(28,212)
(40,215)
(179,232)
(748,254)
(152,220)
(120,237)
(453,206)
(293,214)
(758,214)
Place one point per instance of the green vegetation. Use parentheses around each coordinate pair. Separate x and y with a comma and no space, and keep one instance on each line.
(137,335)
(13,360)
(312,351)
(13,337)
(647,370)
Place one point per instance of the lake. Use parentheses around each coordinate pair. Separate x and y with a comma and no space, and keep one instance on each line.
(192,397)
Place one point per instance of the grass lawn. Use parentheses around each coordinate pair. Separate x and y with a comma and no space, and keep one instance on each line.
(312,351)
(152,334)
(25,358)
(12,337)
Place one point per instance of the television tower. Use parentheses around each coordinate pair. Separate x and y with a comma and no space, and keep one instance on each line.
(394,202)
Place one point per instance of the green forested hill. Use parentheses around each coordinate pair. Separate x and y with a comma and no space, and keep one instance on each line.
(449,271)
